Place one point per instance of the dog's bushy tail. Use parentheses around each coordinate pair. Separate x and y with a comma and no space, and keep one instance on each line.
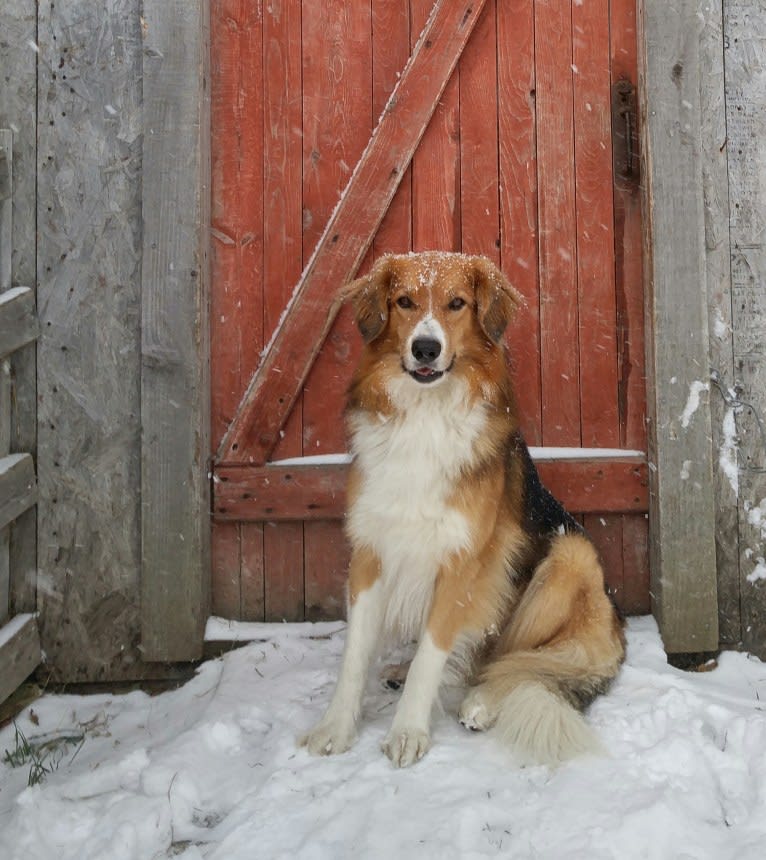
(563,647)
(539,717)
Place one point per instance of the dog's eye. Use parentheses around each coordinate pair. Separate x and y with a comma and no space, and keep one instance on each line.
(404,302)
(456,304)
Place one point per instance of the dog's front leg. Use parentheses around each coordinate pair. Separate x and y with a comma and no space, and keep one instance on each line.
(409,738)
(336,731)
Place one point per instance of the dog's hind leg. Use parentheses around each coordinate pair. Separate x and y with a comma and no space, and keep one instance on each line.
(336,731)
(563,646)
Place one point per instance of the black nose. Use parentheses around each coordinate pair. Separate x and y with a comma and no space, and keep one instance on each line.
(426,349)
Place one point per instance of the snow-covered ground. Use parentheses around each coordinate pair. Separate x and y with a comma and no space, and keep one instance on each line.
(212,770)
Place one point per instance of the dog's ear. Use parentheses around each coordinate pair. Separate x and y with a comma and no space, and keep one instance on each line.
(369,295)
(496,299)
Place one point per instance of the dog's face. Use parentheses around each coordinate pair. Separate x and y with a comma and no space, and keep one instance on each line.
(432,313)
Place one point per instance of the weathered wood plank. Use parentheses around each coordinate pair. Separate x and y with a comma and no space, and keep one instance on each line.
(436,161)
(715,189)
(628,233)
(349,232)
(89,301)
(18,113)
(337,122)
(239,236)
(283,255)
(20,652)
(745,52)
(682,510)
(5,447)
(18,322)
(276,493)
(175,545)
(6,208)
(390,51)
(518,198)
(18,486)
(479,164)
(596,295)
(554,90)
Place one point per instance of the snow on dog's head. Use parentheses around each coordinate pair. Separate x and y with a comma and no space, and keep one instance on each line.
(426,316)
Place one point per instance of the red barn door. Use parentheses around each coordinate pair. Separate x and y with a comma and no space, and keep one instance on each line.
(511,132)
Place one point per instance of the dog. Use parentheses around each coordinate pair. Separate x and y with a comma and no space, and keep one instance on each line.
(455,542)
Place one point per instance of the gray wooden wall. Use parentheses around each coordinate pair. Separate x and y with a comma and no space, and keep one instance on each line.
(73,92)
(704,117)
(744,54)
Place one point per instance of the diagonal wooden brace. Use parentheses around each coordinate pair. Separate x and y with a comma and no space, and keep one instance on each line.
(310,312)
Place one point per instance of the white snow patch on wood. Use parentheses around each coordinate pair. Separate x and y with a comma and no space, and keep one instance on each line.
(13,627)
(693,401)
(727,454)
(759,571)
(540,454)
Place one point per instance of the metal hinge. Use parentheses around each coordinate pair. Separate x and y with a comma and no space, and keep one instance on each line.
(625,133)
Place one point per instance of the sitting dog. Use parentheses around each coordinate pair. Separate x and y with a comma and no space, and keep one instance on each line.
(455,542)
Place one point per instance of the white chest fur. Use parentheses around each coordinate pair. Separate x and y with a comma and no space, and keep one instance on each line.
(409,465)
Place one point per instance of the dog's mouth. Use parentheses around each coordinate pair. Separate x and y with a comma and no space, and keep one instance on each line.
(425,374)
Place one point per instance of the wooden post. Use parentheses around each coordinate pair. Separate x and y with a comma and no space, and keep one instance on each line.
(175,526)
(18,114)
(745,58)
(715,190)
(682,514)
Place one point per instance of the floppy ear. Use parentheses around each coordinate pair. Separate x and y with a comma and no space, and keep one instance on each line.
(369,295)
(496,299)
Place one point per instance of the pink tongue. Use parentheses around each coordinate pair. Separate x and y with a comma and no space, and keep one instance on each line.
(424,371)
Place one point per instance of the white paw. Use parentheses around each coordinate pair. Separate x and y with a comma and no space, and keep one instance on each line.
(329,737)
(475,713)
(406,746)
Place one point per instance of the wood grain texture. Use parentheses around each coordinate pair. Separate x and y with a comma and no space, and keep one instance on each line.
(20,653)
(175,534)
(557,223)
(682,512)
(283,262)
(6,208)
(89,259)
(349,233)
(18,486)
(715,191)
(479,180)
(317,492)
(18,114)
(18,321)
(596,300)
(337,121)
(517,162)
(391,39)
(628,231)
(745,74)
(5,447)
(238,239)
(436,162)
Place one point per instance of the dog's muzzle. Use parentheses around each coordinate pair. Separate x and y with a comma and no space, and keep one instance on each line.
(425,351)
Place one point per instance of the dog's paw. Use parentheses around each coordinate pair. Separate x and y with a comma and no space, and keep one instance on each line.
(393,676)
(475,713)
(406,746)
(330,737)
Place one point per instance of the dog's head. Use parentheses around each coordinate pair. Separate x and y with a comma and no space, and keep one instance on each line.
(434,311)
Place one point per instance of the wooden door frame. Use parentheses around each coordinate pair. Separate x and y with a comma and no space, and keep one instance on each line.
(175,352)
(176,499)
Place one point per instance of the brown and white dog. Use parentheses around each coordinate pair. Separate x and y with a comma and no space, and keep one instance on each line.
(455,541)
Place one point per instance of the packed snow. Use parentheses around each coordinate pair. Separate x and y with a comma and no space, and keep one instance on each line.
(211,770)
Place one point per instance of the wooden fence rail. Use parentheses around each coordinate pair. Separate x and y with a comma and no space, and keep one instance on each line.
(19,636)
